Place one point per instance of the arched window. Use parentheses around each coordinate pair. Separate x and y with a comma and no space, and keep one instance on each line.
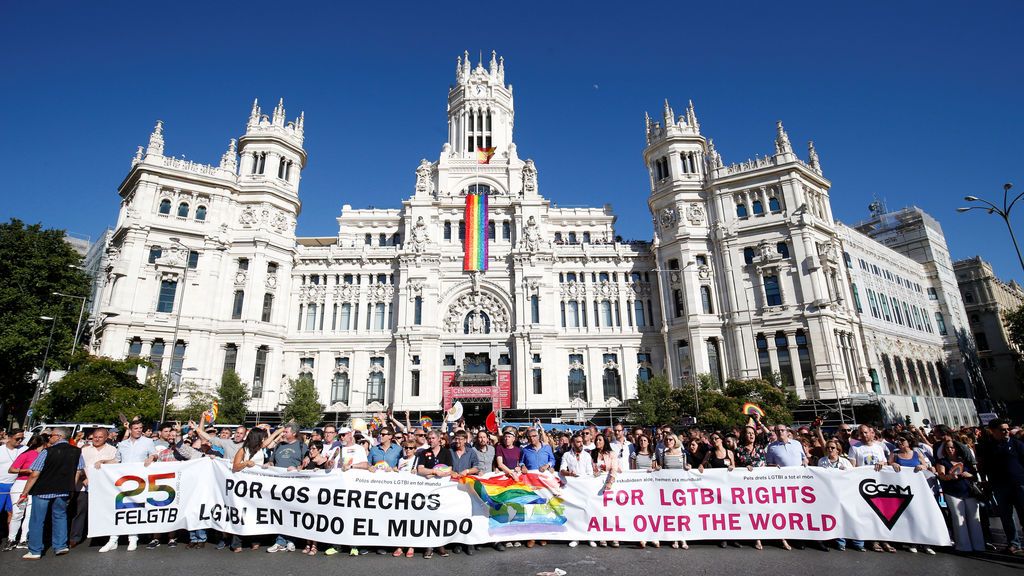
(375,388)
(748,255)
(506,230)
(783,249)
(447,230)
(183,210)
(491,230)
(577,378)
(741,210)
(339,388)
(612,383)
(773,204)
(165,206)
(201,213)
(758,208)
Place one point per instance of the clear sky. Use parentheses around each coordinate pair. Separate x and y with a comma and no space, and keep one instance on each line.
(916,102)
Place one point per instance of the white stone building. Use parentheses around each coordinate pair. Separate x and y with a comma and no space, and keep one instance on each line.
(747,257)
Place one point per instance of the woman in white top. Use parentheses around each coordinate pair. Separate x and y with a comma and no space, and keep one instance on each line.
(834,457)
(605,464)
(251,455)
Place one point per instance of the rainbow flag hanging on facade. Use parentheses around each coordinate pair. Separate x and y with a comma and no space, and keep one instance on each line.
(475,258)
(529,503)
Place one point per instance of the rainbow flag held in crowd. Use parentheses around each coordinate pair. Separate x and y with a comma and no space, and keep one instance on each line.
(531,501)
(475,258)
(211,414)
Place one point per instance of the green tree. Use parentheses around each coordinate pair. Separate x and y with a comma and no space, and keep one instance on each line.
(100,390)
(34,263)
(196,401)
(303,404)
(233,399)
(1014,320)
(654,402)
(723,408)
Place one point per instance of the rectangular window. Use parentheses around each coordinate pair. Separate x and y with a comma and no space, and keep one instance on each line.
(259,372)
(236,305)
(243,264)
(447,230)
(677,303)
(772,294)
(414,383)
(535,309)
(311,310)
(193,259)
(177,359)
(606,313)
(638,313)
(506,231)
(417,315)
(932,295)
(981,339)
(339,385)
(154,254)
(268,307)
(346,317)
(156,358)
(538,381)
(168,289)
(378,316)
(230,357)
(306,369)
(572,314)
(135,348)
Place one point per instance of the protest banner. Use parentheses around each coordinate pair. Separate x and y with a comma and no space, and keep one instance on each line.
(365,508)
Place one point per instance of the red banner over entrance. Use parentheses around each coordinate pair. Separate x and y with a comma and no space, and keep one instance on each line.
(451,392)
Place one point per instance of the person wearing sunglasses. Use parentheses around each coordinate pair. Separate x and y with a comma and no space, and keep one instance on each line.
(386,451)
(1001,460)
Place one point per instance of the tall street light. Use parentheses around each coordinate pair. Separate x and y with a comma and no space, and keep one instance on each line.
(44,373)
(177,323)
(1003,213)
(81,313)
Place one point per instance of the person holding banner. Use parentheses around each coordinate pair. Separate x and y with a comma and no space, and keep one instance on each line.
(577,463)
(785,452)
(434,462)
(21,516)
(134,449)
(606,464)
(287,454)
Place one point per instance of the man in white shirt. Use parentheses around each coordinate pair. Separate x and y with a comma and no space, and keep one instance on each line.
(352,455)
(869,452)
(94,455)
(136,448)
(577,463)
(621,446)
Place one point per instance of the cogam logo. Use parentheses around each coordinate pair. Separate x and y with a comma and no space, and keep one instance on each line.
(888,501)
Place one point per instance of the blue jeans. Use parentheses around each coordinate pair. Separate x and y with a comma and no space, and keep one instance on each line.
(858,544)
(282,541)
(40,509)
(197,535)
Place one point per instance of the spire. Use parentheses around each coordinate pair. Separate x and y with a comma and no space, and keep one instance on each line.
(501,69)
(812,156)
(458,69)
(254,116)
(669,115)
(156,140)
(465,65)
(782,145)
(138,156)
(278,118)
(493,66)
(713,155)
(301,124)
(691,118)
(229,161)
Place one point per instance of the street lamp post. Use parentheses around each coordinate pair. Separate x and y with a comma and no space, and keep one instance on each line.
(1003,213)
(81,313)
(177,324)
(44,375)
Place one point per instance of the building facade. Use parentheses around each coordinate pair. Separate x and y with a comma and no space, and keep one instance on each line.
(986,298)
(744,276)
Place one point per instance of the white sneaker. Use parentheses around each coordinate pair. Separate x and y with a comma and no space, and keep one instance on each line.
(31,556)
(276,548)
(110,546)
(593,544)
(133,543)
(291,547)
(574,544)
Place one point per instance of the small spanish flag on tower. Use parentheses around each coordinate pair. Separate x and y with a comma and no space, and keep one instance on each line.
(483,155)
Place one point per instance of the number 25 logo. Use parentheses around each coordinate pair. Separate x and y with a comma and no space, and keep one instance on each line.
(140,487)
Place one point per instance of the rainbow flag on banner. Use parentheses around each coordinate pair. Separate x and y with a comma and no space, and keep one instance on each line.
(475,258)
(516,505)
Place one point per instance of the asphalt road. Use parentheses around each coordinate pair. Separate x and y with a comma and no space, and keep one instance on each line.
(700,559)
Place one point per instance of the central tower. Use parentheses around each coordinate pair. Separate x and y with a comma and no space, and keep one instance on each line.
(480,110)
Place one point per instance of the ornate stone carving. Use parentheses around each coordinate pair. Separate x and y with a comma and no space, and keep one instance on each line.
(248,217)
(420,239)
(240,278)
(271,281)
(668,217)
(765,253)
(695,214)
(607,290)
(281,222)
(704,272)
(642,289)
(424,178)
(531,236)
(573,290)
(476,309)
(415,289)
(313,293)
(346,293)
(529,177)
(381,292)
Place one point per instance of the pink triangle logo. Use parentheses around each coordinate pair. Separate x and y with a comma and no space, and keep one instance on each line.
(888,501)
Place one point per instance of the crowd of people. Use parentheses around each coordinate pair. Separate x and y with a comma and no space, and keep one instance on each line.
(976,472)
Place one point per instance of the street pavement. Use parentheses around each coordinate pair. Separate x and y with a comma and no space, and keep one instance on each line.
(700,559)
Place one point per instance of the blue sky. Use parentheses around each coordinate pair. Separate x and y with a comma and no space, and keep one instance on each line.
(915,102)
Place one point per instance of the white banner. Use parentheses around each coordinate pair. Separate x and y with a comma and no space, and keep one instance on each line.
(399,509)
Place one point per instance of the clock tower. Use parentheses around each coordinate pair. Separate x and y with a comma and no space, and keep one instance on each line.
(480,110)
